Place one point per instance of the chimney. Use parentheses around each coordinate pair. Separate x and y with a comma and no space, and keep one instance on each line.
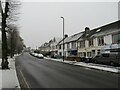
(87,30)
(66,35)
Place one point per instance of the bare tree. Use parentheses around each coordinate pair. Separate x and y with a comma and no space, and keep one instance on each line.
(13,35)
(20,45)
(8,16)
(15,42)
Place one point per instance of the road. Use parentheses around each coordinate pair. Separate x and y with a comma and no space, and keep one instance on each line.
(40,73)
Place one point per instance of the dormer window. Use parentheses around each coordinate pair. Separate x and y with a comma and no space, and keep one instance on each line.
(98,30)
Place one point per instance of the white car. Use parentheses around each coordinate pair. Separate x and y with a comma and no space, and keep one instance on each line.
(40,56)
(32,53)
(35,54)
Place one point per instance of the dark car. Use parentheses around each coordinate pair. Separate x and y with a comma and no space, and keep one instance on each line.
(86,59)
(107,58)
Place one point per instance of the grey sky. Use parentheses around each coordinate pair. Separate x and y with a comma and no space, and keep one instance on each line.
(40,21)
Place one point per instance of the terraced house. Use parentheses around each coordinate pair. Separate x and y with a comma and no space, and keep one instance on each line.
(89,43)
(50,47)
(70,45)
(100,39)
(53,46)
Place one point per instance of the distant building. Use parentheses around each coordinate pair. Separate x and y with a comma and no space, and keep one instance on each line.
(27,49)
(45,47)
(51,46)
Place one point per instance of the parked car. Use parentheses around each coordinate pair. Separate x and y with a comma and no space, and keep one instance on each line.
(107,58)
(35,54)
(40,56)
(85,59)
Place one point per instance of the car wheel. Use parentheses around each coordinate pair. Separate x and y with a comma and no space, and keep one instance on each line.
(112,63)
(95,61)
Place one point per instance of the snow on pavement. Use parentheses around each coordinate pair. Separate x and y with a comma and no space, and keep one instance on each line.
(9,77)
(60,60)
(90,65)
(98,66)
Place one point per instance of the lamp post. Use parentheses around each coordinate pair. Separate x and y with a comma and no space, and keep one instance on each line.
(63,37)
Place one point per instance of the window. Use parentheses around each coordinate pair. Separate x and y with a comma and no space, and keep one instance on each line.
(68,45)
(63,46)
(82,44)
(93,53)
(105,55)
(60,47)
(53,47)
(116,38)
(98,51)
(84,54)
(88,54)
(91,42)
(73,44)
(60,53)
(80,54)
(100,41)
(97,56)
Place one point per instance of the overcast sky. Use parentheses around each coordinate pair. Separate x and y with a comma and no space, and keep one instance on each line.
(40,21)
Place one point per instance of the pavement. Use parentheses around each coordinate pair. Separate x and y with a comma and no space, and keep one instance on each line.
(44,73)
(8,77)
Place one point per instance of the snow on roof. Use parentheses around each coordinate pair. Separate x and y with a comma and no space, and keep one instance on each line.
(72,38)
(58,39)
(107,32)
(98,30)
(76,37)
(104,30)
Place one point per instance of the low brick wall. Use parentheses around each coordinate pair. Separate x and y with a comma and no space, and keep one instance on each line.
(73,58)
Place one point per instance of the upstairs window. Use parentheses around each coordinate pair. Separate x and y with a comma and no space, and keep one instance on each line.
(68,46)
(59,46)
(91,42)
(116,38)
(73,44)
(100,41)
(82,44)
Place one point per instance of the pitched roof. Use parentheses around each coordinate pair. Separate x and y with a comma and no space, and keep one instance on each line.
(103,30)
(107,29)
(72,38)
(58,39)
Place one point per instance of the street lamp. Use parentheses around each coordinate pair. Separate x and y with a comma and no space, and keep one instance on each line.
(63,37)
